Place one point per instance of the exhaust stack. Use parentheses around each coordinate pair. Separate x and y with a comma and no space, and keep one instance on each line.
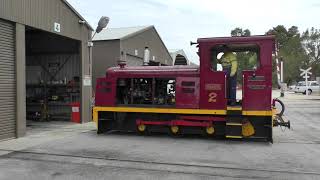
(146,57)
(122,61)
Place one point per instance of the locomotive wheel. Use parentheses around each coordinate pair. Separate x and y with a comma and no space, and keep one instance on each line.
(210,130)
(174,130)
(142,129)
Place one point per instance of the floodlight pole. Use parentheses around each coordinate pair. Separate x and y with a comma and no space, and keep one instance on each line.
(103,22)
(90,45)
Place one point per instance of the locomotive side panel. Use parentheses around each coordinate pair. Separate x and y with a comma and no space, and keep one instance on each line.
(257,92)
(187,92)
(212,83)
(257,84)
(105,92)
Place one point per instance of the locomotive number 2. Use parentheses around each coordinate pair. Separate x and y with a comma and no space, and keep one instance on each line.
(212,97)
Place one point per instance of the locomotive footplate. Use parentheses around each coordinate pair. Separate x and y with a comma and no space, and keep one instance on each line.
(234,123)
(234,110)
(234,126)
(207,123)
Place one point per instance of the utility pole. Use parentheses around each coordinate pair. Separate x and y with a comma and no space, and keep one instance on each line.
(281,77)
(279,71)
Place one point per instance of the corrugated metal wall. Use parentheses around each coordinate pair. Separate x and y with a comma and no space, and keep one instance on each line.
(151,39)
(105,54)
(42,14)
(7,80)
(132,60)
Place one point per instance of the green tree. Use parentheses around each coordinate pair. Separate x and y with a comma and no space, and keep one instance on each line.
(239,32)
(246,59)
(311,43)
(291,50)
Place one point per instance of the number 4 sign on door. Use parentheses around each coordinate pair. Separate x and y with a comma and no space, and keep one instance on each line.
(57,27)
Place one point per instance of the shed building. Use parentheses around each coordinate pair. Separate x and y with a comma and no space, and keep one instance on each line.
(179,57)
(127,43)
(44,63)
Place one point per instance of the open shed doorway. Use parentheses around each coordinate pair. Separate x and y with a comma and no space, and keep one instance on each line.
(53,73)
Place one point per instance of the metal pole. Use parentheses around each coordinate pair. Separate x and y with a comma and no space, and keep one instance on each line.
(278,68)
(306,79)
(280,85)
(281,76)
(281,66)
(90,45)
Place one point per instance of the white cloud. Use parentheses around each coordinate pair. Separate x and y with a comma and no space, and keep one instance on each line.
(179,21)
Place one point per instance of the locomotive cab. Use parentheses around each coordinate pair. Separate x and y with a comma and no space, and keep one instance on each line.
(247,59)
(254,58)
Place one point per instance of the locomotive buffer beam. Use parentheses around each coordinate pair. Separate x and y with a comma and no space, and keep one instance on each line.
(279,121)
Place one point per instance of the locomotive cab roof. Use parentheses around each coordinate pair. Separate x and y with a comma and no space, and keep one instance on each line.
(155,70)
(236,39)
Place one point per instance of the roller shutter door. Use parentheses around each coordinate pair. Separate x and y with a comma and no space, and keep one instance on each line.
(7,80)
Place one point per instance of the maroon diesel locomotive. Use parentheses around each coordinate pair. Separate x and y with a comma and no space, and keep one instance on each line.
(192,99)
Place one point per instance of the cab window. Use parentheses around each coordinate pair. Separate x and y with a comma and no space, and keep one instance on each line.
(247,56)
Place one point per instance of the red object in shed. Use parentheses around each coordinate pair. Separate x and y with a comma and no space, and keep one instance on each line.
(75,114)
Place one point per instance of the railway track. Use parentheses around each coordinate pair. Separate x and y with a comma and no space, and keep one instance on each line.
(214,170)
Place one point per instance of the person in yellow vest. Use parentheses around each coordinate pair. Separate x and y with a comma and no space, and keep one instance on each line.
(230,66)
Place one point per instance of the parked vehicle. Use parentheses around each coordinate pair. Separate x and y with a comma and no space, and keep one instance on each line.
(313,87)
(292,86)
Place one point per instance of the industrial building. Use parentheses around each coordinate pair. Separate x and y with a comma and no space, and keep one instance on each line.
(44,64)
(129,44)
(179,57)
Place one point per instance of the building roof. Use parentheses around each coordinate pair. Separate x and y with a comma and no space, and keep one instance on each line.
(175,52)
(69,5)
(193,64)
(120,33)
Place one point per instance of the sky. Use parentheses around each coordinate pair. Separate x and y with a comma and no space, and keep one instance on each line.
(180,21)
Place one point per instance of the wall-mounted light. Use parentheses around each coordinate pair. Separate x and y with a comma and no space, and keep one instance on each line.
(82,22)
